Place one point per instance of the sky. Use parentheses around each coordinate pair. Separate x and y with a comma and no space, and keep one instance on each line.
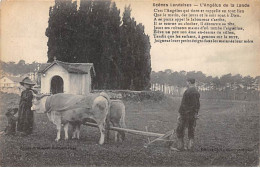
(23,25)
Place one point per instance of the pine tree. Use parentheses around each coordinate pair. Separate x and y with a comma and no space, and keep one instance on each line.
(127,59)
(61,30)
(100,44)
(135,61)
(142,60)
(84,33)
(94,34)
(114,45)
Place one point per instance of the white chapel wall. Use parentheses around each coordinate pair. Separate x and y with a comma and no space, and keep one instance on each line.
(55,70)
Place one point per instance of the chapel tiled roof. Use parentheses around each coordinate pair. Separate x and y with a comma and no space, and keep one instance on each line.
(80,68)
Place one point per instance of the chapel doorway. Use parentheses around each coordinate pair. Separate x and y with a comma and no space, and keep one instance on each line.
(56,85)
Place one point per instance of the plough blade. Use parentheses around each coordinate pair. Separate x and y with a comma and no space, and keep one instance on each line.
(162,138)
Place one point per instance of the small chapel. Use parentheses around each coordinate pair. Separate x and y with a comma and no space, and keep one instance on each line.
(63,77)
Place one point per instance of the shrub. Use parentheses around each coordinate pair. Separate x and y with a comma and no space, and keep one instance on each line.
(134,95)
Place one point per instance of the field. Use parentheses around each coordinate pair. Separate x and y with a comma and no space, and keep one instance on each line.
(227,134)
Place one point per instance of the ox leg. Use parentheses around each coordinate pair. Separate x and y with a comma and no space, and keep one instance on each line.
(57,122)
(74,131)
(58,132)
(116,136)
(101,127)
(116,132)
(66,129)
(121,135)
(107,126)
(77,130)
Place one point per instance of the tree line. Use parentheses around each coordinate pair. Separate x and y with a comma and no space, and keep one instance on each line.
(19,68)
(174,78)
(95,33)
(169,77)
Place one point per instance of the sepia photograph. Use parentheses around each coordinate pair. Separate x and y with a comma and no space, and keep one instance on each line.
(129,83)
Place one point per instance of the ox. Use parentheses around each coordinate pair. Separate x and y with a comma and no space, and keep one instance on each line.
(116,117)
(65,109)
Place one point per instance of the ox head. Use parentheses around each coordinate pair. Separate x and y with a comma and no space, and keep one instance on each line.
(38,102)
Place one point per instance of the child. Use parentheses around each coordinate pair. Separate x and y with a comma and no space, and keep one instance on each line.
(25,114)
(11,119)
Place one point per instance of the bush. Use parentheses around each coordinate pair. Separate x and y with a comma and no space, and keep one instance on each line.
(134,95)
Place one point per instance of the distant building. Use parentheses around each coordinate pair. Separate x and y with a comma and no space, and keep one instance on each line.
(256,85)
(10,84)
(62,77)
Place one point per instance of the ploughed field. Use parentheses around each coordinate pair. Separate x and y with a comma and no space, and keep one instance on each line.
(227,134)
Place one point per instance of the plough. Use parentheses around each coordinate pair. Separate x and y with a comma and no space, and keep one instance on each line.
(159,137)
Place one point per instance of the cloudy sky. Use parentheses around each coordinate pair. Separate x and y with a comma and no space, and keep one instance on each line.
(23,25)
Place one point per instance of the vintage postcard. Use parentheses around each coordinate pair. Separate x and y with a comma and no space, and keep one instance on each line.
(129,83)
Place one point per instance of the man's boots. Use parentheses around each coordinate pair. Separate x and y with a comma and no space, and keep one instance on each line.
(180,145)
(191,144)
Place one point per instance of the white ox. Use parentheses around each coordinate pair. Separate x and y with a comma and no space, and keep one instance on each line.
(65,109)
(116,117)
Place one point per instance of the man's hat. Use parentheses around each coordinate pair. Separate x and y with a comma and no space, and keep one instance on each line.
(191,80)
(28,81)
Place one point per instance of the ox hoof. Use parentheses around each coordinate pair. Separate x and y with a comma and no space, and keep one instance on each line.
(57,140)
(66,139)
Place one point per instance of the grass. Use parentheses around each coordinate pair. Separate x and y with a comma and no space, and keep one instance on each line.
(227,134)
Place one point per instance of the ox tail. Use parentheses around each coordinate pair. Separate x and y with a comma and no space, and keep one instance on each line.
(122,123)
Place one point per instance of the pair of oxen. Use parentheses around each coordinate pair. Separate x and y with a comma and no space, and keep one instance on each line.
(64,109)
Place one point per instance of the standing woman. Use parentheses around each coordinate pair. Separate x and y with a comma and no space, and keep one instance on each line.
(25,114)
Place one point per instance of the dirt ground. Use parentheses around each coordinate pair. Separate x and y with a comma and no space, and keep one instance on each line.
(227,134)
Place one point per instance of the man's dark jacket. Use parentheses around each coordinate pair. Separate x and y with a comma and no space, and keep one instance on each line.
(190,103)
